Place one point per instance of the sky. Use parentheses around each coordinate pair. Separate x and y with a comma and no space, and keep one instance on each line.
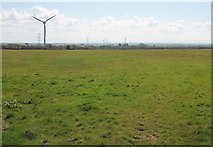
(141,22)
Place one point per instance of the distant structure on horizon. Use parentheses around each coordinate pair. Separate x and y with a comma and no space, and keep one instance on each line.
(125,43)
(44,22)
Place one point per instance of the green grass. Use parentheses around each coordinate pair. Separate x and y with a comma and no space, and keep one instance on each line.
(107,97)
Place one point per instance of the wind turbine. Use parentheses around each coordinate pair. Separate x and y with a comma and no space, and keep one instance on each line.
(44,22)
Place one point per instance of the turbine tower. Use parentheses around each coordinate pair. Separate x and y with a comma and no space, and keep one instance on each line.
(44,22)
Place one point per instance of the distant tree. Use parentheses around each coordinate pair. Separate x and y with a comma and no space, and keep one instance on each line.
(68,47)
(74,47)
(49,45)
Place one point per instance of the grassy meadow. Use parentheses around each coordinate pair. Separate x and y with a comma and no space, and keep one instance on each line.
(106,97)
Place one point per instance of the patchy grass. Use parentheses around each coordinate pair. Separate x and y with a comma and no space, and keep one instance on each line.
(107,97)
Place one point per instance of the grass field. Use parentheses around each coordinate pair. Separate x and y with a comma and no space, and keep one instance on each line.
(107,97)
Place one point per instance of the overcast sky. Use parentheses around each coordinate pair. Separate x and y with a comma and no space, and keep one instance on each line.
(138,22)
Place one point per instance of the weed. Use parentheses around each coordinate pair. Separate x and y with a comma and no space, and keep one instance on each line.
(29,134)
(12,104)
(86,107)
(9,115)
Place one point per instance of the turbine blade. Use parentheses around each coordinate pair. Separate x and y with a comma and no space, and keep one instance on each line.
(50,18)
(37,19)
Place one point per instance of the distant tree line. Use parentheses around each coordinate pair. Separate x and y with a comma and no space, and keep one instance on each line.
(28,46)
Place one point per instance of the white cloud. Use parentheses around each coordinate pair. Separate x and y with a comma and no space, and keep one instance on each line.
(14,15)
(43,13)
(19,26)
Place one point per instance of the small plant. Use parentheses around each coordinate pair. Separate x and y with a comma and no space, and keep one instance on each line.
(9,115)
(29,134)
(86,107)
(12,104)
(106,135)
